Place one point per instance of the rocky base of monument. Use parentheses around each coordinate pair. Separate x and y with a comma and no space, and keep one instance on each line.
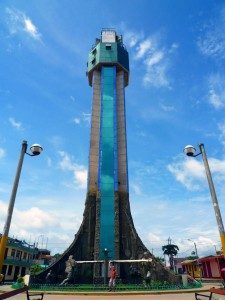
(80,263)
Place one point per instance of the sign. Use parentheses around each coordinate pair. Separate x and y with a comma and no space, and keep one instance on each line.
(108,36)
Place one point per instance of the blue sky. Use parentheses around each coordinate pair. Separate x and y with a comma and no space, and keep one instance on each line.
(176,97)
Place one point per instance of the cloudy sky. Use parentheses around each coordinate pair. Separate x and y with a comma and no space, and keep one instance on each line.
(176,97)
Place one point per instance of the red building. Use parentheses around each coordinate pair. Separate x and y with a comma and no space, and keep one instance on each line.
(211,266)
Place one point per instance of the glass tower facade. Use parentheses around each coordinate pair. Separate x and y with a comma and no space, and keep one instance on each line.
(108,179)
(108,70)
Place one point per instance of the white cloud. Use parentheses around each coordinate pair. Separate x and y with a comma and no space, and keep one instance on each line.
(150,54)
(34,216)
(156,62)
(217,91)
(212,41)
(186,172)
(49,161)
(86,117)
(130,37)
(2,153)
(40,225)
(142,48)
(15,124)
(83,119)
(191,173)
(79,171)
(156,76)
(76,121)
(221,127)
(31,28)
(56,141)
(173,47)
(137,189)
(19,23)
(167,108)
(154,59)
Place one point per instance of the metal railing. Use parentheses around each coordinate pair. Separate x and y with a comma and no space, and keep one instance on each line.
(10,294)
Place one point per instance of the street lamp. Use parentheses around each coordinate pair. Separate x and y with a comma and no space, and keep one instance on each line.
(190,151)
(37,240)
(196,251)
(35,149)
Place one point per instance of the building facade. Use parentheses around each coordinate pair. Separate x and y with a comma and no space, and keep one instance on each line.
(18,259)
(211,266)
(192,267)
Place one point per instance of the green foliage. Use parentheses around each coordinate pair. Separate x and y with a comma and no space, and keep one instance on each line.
(35,269)
(192,257)
(20,279)
(57,255)
(160,259)
(171,250)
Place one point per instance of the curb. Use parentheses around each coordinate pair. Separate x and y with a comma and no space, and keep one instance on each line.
(121,293)
(125,293)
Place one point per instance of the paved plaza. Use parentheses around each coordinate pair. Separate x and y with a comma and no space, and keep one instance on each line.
(186,296)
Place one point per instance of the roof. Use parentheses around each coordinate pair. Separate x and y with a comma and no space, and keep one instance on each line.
(211,257)
(189,261)
(179,259)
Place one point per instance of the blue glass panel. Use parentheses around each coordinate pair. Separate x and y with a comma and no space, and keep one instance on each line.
(107,160)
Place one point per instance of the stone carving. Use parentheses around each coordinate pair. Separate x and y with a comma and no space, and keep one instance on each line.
(69,270)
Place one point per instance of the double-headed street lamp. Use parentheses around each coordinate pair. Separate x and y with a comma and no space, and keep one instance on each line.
(190,151)
(196,251)
(35,149)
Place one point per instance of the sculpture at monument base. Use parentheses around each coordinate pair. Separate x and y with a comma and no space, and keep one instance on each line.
(83,248)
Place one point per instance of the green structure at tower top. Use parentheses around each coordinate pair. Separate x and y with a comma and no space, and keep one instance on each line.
(108,50)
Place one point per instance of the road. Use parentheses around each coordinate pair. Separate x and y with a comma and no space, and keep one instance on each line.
(187,296)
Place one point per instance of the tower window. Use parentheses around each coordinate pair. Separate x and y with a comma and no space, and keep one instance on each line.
(93,61)
(108,47)
(94,51)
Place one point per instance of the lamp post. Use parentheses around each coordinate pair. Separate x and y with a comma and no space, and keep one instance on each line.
(190,151)
(37,240)
(196,251)
(106,258)
(35,149)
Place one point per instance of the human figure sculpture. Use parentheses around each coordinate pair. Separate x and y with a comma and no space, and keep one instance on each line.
(48,278)
(147,269)
(70,265)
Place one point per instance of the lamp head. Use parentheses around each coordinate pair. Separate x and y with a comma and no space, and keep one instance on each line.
(189,150)
(36,149)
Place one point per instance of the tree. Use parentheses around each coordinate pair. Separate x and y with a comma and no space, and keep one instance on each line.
(35,269)
(192,257)
(171,250)
(160,259)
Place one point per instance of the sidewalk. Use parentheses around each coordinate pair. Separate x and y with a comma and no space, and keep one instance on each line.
(205,288)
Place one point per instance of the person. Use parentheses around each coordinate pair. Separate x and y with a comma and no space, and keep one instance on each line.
(148,278)
(223,276)
(112,276)
(1,279)
(48,278)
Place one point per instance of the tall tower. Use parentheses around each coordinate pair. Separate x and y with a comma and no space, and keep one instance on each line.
(108,74)
(107,221)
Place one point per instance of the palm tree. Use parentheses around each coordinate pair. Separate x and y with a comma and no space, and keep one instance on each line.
(171,250)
